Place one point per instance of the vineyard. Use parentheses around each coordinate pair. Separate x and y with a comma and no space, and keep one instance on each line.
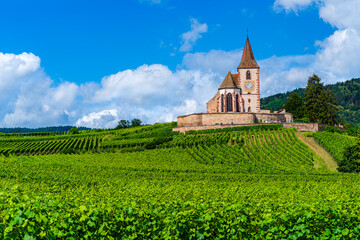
(151,183)
(335,143)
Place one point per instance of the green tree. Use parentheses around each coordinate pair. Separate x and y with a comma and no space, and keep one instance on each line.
(351,160)
(295,105)
(123,124)
(319,104)
(135,122)
(74,130)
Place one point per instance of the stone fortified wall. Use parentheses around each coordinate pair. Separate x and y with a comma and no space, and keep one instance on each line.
(301,127)
(306,127)
(207,119)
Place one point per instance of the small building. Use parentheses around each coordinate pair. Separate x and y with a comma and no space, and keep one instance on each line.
(237,100)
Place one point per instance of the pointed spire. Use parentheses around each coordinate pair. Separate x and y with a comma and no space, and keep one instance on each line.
(228,82)
(248,59)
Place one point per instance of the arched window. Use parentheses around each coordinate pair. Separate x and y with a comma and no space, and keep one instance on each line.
(222,103)
(248,75)
(229,103)
(237,103)
(249,109)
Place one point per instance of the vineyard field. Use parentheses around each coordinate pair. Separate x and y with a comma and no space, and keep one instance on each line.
(246,184)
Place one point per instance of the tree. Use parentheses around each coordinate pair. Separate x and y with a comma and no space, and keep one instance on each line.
(351,160)
(74,130)
(295,105)
(135,122)
(330,116)
(123,124)
(319,104)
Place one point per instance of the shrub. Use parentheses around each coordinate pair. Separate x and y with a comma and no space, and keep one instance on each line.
(333,129)
(74,130)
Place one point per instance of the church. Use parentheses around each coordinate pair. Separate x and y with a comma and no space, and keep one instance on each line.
(239,92)
(237,101)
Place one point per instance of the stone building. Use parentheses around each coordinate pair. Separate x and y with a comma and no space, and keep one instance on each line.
(237,100)
(239,92)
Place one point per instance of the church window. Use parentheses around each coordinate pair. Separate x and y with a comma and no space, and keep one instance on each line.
(237,103)
(248,75)
(249,100)
(222,103)
(249,109)
(229,103)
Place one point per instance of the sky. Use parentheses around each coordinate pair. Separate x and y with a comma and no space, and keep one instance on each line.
(91,63)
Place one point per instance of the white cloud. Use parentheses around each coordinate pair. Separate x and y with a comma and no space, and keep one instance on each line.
(339,54)
(341,14)
(217,61)
(154,93)
(292,5)
(103,119)
(151,1)
(189,38)
(27,95)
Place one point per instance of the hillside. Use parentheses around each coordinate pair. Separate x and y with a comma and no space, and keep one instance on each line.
(347,95)
(148,182)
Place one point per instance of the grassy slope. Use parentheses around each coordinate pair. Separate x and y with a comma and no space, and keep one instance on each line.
(334,143)
(327,161)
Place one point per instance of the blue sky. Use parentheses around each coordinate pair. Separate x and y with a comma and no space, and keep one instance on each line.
(95,62)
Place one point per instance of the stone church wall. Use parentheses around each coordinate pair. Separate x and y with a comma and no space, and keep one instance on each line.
(228,118)
(212,105)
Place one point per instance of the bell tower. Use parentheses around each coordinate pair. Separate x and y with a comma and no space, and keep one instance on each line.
(249,79)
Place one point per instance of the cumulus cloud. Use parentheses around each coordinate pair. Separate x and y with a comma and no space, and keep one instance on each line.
(338,55)
(154,93)
(189,38)
(103,119)
(27,94)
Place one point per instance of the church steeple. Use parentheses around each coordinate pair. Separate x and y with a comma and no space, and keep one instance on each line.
(248,59)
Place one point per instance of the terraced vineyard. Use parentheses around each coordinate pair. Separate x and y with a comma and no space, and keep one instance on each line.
(69,145)
(243,184)
(262,151)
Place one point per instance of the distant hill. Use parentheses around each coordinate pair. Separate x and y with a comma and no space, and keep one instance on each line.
(347,95)
(44,129)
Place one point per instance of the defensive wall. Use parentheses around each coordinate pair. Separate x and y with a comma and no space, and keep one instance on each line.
(306,127)
(301,127)
(232,118)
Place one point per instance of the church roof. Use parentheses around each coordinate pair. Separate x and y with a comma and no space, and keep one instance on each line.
(228,82)
(248,59)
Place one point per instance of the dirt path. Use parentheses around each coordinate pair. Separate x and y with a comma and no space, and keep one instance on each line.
(329,161)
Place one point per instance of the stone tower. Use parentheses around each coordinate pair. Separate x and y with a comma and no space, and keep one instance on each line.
(249,79)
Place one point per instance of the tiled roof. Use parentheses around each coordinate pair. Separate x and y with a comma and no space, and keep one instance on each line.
(248,59)
(235,77)
(228,82)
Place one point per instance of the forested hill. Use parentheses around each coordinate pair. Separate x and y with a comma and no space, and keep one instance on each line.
(56,129)
(347,96)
